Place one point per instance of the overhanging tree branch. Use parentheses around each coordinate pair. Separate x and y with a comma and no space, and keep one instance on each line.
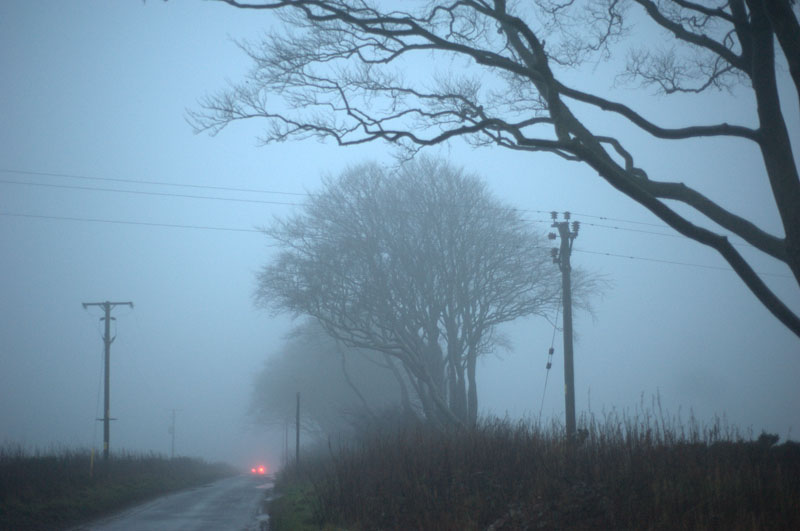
(527,108)
(681,133)
(631,188)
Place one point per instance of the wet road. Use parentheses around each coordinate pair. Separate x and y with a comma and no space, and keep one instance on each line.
(230,504)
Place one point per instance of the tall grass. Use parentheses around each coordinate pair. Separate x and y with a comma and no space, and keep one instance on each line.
(641,471)
(52,490)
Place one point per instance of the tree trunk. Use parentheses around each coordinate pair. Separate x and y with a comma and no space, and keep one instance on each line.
(472,399)
(352,386)
(405,399)
(428,408)
(776,148)
(455,371)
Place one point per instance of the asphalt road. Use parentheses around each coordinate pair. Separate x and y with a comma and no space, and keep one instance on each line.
(229,504)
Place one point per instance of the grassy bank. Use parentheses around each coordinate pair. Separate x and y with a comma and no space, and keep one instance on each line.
(56,490)
(621,473)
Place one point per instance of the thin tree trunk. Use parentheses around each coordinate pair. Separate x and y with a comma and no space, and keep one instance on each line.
(405,399)
(472,398)
(355,389)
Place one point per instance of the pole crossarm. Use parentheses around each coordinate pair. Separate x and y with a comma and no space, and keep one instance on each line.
(110,305)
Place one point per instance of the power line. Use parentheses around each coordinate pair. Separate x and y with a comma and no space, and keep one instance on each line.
(673,262)
(640,231)
(262,191)
(654,233)
(124,222)
(300,194)
(142,192)
(681,236)
(605,218)
(240,200)
(159,183)
(258,201)
(237,229)
(187,196)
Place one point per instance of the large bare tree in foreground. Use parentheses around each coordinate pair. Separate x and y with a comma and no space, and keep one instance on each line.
(341,69)
(419,265)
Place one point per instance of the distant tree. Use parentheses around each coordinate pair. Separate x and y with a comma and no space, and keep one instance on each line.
(420,264)
(340,70)
(342,389)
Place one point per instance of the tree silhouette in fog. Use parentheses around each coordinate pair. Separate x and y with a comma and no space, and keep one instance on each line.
(343,390)
(419,264)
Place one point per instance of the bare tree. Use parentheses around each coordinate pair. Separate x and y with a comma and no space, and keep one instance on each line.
(420,264)
(338,71)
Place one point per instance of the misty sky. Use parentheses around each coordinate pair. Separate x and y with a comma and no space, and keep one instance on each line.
(93,96)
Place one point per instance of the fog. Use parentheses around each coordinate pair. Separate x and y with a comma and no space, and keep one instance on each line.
(93,97)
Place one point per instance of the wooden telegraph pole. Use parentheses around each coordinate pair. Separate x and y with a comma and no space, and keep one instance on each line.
(172,434)
(561,257)
(297,434)
(107,340)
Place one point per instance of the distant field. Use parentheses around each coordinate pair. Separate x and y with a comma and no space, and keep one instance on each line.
(46,491)
(620,473)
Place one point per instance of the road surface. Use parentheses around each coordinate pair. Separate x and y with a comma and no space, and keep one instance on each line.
(230,504)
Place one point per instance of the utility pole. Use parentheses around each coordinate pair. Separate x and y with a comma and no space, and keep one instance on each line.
(172,433)
(286,441)
(297,436)
(107,340)
(561,257)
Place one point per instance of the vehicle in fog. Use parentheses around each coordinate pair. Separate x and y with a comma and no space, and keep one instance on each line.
(260,470)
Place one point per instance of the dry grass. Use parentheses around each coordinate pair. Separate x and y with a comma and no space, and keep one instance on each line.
(622,472)
(53,490)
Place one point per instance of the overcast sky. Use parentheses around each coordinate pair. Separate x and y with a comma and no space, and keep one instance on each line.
(93,96)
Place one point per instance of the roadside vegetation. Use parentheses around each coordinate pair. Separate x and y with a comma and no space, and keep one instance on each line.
(55,490)
(623,471)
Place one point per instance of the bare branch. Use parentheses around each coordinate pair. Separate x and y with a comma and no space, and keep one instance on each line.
(659,132)
(697,39)
(344,75)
